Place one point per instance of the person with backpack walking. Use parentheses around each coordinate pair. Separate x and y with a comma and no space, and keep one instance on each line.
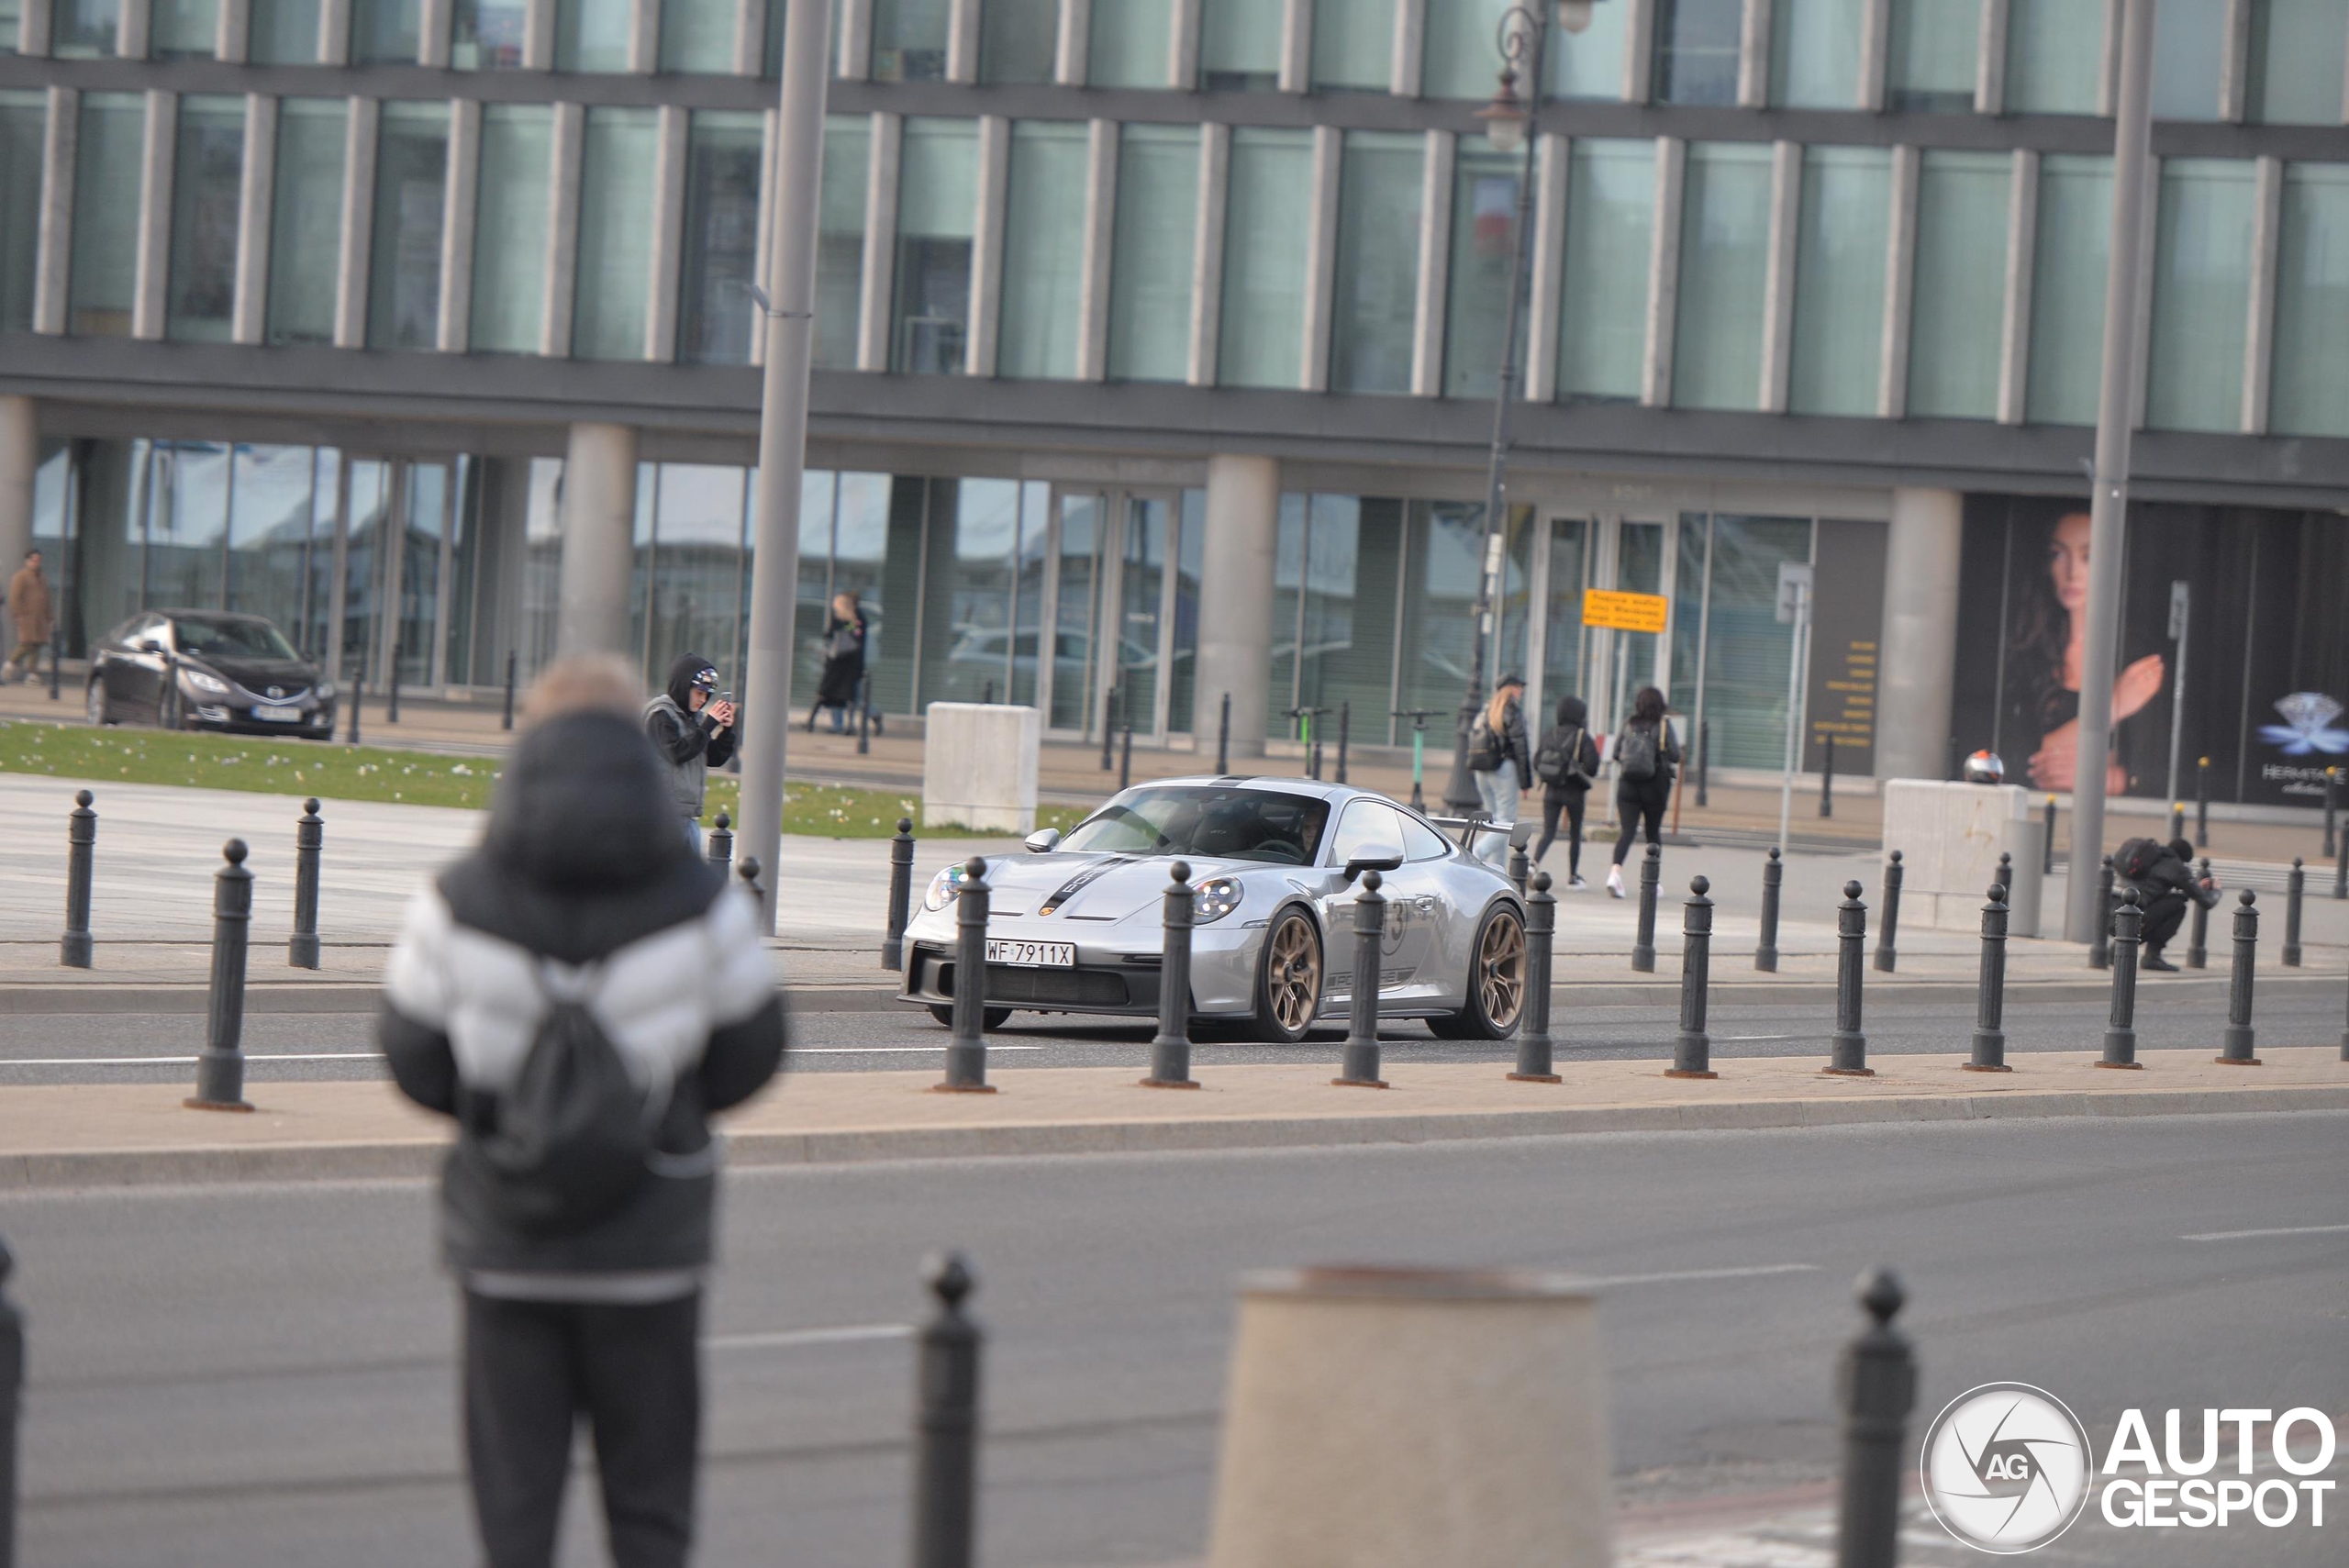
(693,728)
(1645,753)
(580,993)
(838,687)
(2164,876)
(1500,761)
(1565,761)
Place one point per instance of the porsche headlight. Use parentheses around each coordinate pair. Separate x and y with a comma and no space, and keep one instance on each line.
(945,888)
(204,681)
(1213,899)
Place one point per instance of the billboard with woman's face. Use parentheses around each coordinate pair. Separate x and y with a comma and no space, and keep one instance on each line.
(2265,647)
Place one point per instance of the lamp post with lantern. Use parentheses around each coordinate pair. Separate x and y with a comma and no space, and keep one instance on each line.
(1512,123)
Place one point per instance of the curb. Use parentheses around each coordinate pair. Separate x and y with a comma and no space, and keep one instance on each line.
(192,997)
(58,1170)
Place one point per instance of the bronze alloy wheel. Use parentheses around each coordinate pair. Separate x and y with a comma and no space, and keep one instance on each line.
(1500,971)
(1291,988)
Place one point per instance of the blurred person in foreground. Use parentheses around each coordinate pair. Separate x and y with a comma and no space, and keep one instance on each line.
(580,993)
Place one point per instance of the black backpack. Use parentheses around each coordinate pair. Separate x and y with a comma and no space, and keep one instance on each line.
(1637,755)
(2134,860)
(1558,757)
(572,1137)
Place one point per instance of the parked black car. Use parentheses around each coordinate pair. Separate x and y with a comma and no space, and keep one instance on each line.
(207,670)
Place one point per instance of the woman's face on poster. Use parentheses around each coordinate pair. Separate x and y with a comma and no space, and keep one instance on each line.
(2067,561)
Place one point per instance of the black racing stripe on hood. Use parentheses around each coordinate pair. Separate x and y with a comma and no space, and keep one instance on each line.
(1082,880)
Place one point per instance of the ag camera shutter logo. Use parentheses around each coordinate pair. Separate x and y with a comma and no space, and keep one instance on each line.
(2007,1468)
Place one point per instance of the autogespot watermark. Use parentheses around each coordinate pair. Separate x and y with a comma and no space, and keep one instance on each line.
(2007,1468)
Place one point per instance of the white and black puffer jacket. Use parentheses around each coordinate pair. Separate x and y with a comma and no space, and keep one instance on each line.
(584,869)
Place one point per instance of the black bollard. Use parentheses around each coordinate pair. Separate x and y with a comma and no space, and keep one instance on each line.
(2100,944)
(2202,804)
(392,697)
(966,1050)
(1125,757)
(1223,739)
(358,696)
(12,1385)
(1360,1068)
(2331,806)
(1534,1047)
(2197,926)
(1345,727)
(2293,887)
(1704,763)
(220,1070)
(2236,1039)
(901,893)
(2341,869)
(1876,1384)
(2047,851)
(1847,1046)
(1520,866)
(1170,1051)
(56,657)
(721,841)
(1827,781)
(988,695)
(507,722)
(1692,1047)
(1644,940)
(749,872)
(80,848)
(2120,1027)
(1765,954)
(946,1422)
(2345,1041)
(2178,819)
(1109,729)
(864,715)
(1991,999)
(310,838)
(1888,930)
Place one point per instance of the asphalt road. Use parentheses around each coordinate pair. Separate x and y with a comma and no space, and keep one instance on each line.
(263,1375)
(149,1048)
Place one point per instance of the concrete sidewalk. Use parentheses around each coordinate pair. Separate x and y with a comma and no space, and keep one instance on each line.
(108,1135)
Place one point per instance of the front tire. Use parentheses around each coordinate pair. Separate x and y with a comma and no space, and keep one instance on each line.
(1496,981)
(1288,979)
(989,1017)
(95,700)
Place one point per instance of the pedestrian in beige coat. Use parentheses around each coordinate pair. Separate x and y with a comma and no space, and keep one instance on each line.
(30,614)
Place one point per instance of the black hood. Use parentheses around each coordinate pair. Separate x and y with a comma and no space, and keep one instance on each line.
(682,671)
(257,675)
(585,803)
(1573,713)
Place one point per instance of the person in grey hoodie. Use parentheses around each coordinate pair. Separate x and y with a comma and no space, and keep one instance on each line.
(693,730)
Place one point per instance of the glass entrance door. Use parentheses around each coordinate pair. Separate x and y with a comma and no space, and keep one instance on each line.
(1110,597)
(1604,666)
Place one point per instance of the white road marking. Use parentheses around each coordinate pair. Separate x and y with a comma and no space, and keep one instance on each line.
(1745,1036)
(377,1056)
(1678,1276)
(790,1338)
(2279,1230)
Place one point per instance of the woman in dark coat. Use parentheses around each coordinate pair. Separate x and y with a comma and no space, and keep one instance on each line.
(843,662)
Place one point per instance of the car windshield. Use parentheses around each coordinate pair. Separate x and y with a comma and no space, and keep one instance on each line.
(232,638)
(1209,822)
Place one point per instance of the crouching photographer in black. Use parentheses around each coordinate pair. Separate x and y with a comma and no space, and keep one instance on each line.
(2164,876)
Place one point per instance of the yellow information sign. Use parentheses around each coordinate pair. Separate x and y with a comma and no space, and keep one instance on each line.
(1623,611)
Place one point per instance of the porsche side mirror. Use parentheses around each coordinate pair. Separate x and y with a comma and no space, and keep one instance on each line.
(1043,841)
(1379,858)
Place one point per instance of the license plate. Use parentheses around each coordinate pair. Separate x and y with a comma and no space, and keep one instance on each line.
(279,715)
(1033,955)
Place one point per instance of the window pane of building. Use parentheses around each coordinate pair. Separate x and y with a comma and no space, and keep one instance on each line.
(510,228)
(1240,45)
(910,39)
(2311,377)
(2190,45)
(411,174)
(24,118)
(1724,262)
(697,36)
(2072,251)
(11,24)
(1561,645)
(1484,248)
(2201,293)
(385,32)
(1354,556)
(1150,268)
(1695,50)
(1462,58)
(272,504)
(1376,295)
(938,183)
(183,30)
(1840,246)
(1446,542)
(487,35)
(1603,308)
(1590,64)
(2054,55)
(1130,42)
(840,242)
(1929,65)
(208,168)
(2298,50)
(697,566)
(1815,53)
(305,220)
(81,29)
(1746,651)
(184,523)
(1043,249)
(966,609)
(716,312)
(1960,290)
(592,35)
(617,157)
(285,32)
(105,215)
(1353,45)
(1018,39)
(1261,334)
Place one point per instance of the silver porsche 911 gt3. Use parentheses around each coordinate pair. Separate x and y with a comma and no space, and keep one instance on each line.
(1075,925)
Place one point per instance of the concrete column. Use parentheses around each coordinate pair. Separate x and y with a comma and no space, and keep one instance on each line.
(1990,61)
(1778,277)
(153,269)
(19,459)
(2259,340)
(1916,664)
(856,40)
(1183,47)
(1435,265)
(1101,245)
(1243,514)
(598,533)
(563,231)
(1899,287)
(1321,257)
(538,34)
(1410,48)
(1876,41)
(962,41)
(880,241)
(992,198)
(644,38)
(1296,45)
(1207,252)
(256,194)
(2022,248)
(358,225)
(457,211)
(53,264)
(1541,303)
(1664,271)
(668,235)
(1074,46)
(1753,55)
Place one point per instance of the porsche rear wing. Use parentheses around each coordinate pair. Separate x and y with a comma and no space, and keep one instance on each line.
(1469,829)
